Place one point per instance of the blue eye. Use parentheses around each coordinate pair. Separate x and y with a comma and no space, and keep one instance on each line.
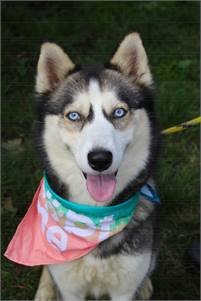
(119,113)
(73,116)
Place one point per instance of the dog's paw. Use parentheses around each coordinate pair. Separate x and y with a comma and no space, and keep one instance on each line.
(146,290)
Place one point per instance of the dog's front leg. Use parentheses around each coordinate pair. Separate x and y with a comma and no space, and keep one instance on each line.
(146,290)
(46,290)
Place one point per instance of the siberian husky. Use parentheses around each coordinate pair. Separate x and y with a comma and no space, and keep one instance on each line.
(98,141)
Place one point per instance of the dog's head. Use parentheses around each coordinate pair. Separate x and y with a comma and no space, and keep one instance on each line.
(99,124)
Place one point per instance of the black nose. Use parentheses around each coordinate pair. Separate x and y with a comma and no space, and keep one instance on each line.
(100,159)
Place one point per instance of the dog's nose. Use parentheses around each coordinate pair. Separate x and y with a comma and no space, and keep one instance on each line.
(100,159)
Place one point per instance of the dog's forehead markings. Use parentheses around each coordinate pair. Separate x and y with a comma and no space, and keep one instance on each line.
(101,98)
(94,92)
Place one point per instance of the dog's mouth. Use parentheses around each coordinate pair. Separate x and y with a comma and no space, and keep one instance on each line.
(102,186)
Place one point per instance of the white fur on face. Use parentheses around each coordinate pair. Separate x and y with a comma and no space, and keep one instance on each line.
(68,150)
(99,133)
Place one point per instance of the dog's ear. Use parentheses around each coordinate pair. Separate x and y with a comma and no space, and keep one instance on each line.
(131,59)
(53,65)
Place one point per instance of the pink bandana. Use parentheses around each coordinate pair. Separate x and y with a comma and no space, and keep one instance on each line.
(55,230)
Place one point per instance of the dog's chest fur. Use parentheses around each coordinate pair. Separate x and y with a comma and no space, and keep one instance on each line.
(97,277)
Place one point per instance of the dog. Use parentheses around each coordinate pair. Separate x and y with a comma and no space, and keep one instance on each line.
(98,141)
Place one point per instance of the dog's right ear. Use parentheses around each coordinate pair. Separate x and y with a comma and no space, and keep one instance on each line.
(53,65)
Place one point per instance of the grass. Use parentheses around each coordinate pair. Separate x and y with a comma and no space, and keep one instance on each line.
(89,32)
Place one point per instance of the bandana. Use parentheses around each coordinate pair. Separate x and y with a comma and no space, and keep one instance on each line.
(55,230)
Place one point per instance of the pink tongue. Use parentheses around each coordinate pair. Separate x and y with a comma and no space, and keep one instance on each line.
(101,187)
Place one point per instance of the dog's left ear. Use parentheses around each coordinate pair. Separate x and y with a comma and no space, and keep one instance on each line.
(131,59)
(53,65)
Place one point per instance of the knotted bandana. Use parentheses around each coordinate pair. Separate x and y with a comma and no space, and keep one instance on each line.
(55,230)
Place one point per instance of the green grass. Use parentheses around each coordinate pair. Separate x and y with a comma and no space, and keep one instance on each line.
(89,31)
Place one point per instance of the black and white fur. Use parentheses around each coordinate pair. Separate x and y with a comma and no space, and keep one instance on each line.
(120,265)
